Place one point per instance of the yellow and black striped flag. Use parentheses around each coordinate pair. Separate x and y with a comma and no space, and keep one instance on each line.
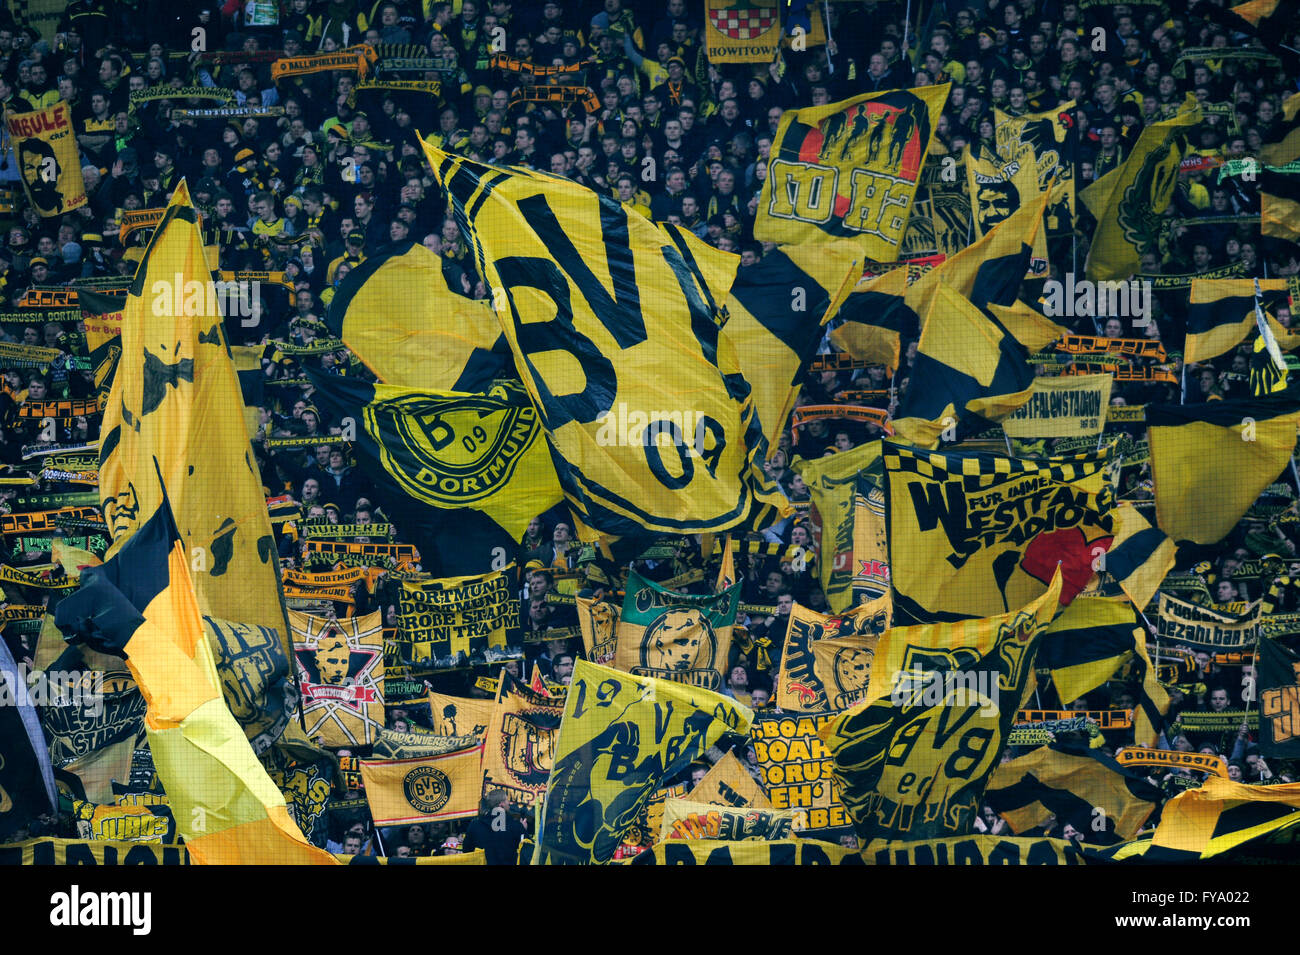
(1279,193)
(396,313)
(1087,643)
(1084,789)
(1221,315)
(1211,461)
(776,311)
(1283,146)
(911,761)
(1140,556)
(875,318)
(614,323)
(968,372)
(1222,816)
(972,534)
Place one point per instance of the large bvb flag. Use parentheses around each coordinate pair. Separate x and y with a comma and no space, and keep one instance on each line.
(911,761)
(620,739)
(176,400)
(849,169)
(141,604)
(973,534)
(612,318)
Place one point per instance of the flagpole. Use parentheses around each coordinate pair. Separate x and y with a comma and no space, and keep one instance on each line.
(907,23)
(826,22)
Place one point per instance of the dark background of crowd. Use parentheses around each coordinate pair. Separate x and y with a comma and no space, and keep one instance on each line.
(340,175)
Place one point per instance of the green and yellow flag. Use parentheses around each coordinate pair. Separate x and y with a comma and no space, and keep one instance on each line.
(776,311)
(911,761)
(650,421)
(174,416)
(1129,203)
(1193,447)
(396,313)
(849,170)
(972,534)
(685,638)
(620,739)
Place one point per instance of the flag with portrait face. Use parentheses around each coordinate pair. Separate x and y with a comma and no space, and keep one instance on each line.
(45,146)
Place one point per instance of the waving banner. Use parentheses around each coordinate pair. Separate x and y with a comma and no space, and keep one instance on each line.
(620,739)
(612,320)
(520,749)
(458,621)
(911,761)
(684,819)
(806,685)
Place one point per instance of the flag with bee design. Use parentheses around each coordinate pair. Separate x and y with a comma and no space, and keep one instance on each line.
(341,671)
(685,638)
(806,685)
(520,746)
(911,761)
(972,534)
(615,326)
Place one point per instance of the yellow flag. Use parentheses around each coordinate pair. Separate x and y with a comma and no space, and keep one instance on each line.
(746,32)
(1129,203)
(832,482)
(520,749)
(997,189)
(395,312)
(849,169)
(651,425)
(45,145)
(341,672)
(423,789)
(175,412)
(728,783)
(912,759)
(620,739)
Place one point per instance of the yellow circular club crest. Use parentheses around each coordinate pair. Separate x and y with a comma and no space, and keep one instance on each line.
(427,789)
(451,451)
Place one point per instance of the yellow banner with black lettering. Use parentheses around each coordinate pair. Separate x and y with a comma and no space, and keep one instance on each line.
(458,621)
(1072,406)
(745,32)
(639,308)
(424,789)
(912,760)
(83,852)
(972,534)
(849,170)
(974,850)
(45,145)
(620,739)
(797,769)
